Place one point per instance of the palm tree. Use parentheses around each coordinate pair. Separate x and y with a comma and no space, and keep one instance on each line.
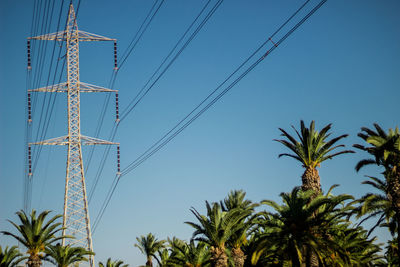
(110,263)
(311,150)
(236,200)
(149,246)
(385,149)
(63,256)
(301,226)
(36,234)
(10,257)
(189,255)
(216,228)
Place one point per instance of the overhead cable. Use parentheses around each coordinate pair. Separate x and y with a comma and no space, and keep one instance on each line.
(163,141)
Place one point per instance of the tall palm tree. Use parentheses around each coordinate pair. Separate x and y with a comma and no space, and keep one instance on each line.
(385,151)
(36,234)
(149,246)
(311,150)
(111,263)
(236,200)
(301,226)
(10,257)
(64,256)
(216,228)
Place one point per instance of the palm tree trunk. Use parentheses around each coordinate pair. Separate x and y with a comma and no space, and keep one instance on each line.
(311,180)
(238,257)
(149,262)
(312,259)
(219,257)
(34,261)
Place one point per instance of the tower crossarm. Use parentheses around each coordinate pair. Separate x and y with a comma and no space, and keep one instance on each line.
(63,88)
(58,141)
(64,140)
(86,140)
(62,36)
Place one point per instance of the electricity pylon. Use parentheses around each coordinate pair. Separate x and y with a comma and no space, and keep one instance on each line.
(76,221)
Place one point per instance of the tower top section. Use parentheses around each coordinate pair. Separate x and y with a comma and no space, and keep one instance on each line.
(62,35)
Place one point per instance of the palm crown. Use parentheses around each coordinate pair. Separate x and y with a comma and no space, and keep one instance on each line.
(384,147)
(149,245)
(313,146)
(300,223)
(218,226)
(111,263)
(63,256)
(36,234)
(10,257)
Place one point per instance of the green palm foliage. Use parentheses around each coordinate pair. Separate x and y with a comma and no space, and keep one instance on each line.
(301,226)
(194,254)
(63,256)
(163,257)
(270,255)
(391,254)
(149,246)
(236,200)
(216,228)
(377,205)
(36,234)
(385,150)
(111,263)
(384,147)
(360,250)
(10,257)
(311,150)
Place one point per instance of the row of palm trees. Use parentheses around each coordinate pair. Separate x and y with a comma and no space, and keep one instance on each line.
(309,228)
(280,235)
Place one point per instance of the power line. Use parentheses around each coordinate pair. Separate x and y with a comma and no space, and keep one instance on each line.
(141,159)
(137,99)
(46,111)
(35,21)
(114,74)
(132,46)
(53,97)
(50,105)
(192,36)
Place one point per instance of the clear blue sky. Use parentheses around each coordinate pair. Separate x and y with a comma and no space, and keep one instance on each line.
(341,67)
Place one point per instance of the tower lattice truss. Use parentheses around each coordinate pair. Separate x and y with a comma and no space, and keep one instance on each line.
(76,220)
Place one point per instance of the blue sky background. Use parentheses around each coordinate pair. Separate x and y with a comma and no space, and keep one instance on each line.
(341,67)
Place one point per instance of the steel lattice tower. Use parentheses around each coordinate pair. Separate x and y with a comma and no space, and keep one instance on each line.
(76,220)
